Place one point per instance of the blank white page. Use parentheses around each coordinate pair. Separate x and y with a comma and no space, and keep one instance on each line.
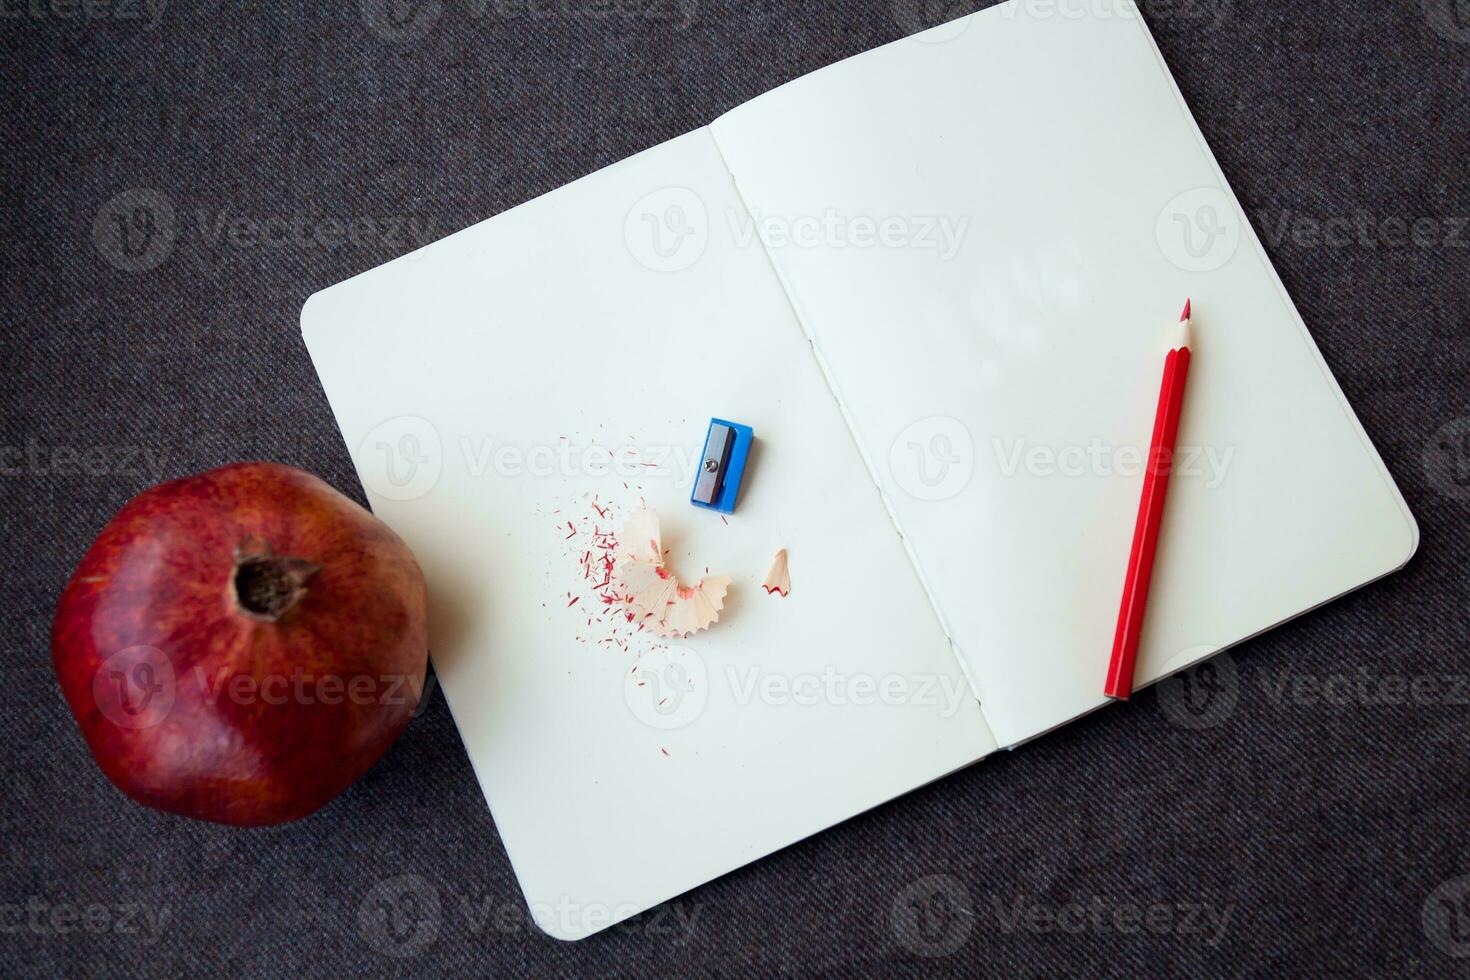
(491,387)
(997,385)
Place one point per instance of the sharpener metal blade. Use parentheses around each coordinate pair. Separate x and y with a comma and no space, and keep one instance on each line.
(714,465)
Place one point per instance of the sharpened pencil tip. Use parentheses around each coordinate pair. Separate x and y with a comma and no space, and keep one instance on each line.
(1185,315)
(1180,334)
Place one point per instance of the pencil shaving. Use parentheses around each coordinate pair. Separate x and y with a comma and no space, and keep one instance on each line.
(694,608)
(778,579)
(641,541)
(654,597)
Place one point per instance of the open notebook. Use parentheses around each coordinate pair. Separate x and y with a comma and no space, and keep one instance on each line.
(935,279)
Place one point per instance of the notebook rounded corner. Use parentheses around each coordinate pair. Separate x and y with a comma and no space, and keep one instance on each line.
(1412,544)
(311,310)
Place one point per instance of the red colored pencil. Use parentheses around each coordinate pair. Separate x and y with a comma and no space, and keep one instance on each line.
(1150,515)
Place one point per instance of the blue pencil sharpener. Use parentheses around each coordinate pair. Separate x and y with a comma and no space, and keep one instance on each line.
(726,449)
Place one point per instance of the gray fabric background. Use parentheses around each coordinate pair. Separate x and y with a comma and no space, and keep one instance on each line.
(1333,831)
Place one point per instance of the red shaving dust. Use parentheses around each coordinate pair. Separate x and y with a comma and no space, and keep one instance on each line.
(590,543)
(591,546)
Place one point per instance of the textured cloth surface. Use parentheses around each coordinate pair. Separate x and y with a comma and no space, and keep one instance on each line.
(1302,806)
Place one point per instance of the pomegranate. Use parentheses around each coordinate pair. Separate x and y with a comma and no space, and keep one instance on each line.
(240,646)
